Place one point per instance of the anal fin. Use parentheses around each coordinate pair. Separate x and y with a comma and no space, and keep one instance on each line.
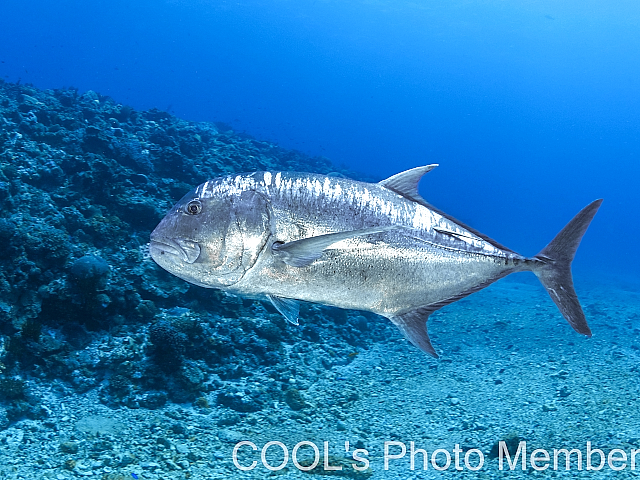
(413,326)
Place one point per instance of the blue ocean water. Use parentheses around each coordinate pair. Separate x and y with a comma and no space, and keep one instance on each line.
(532,108)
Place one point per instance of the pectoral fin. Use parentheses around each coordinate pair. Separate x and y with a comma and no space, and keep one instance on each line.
(301,253)
(287,307)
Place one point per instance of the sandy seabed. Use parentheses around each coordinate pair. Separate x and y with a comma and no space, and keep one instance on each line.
(510,370)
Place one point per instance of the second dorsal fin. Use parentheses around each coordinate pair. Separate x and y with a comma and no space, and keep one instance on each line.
(406,183)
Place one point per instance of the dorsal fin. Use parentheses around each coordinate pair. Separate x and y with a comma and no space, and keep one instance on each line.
(406,183)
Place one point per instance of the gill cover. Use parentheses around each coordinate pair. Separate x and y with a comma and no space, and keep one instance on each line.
(246,235)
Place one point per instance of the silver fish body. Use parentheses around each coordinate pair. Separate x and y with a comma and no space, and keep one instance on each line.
(330,240)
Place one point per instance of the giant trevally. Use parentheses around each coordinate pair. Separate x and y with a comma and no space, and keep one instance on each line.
(378,247)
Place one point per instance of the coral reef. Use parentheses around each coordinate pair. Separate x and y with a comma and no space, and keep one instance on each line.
(83,181)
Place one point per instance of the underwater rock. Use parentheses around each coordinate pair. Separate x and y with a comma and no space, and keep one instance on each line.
(69,447)
(346,471)
(126,459)
(230,436)
(294,399)
(268,330)
(90,270)
(153,400)
(239,401)
(511,441)
(228,420)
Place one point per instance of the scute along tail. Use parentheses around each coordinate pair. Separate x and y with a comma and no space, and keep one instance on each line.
(553,267)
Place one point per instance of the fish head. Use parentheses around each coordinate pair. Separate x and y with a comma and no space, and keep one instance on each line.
(212,241)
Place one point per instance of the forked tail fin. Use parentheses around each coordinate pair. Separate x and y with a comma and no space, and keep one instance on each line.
(553,267)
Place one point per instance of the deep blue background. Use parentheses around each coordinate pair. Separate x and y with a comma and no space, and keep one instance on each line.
(532,108)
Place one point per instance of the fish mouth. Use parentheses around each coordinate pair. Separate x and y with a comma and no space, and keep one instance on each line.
(187,250)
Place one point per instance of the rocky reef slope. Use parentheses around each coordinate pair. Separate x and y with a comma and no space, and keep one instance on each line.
(83,181)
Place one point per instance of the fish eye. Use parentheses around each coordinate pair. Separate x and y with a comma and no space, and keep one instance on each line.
(194,207)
